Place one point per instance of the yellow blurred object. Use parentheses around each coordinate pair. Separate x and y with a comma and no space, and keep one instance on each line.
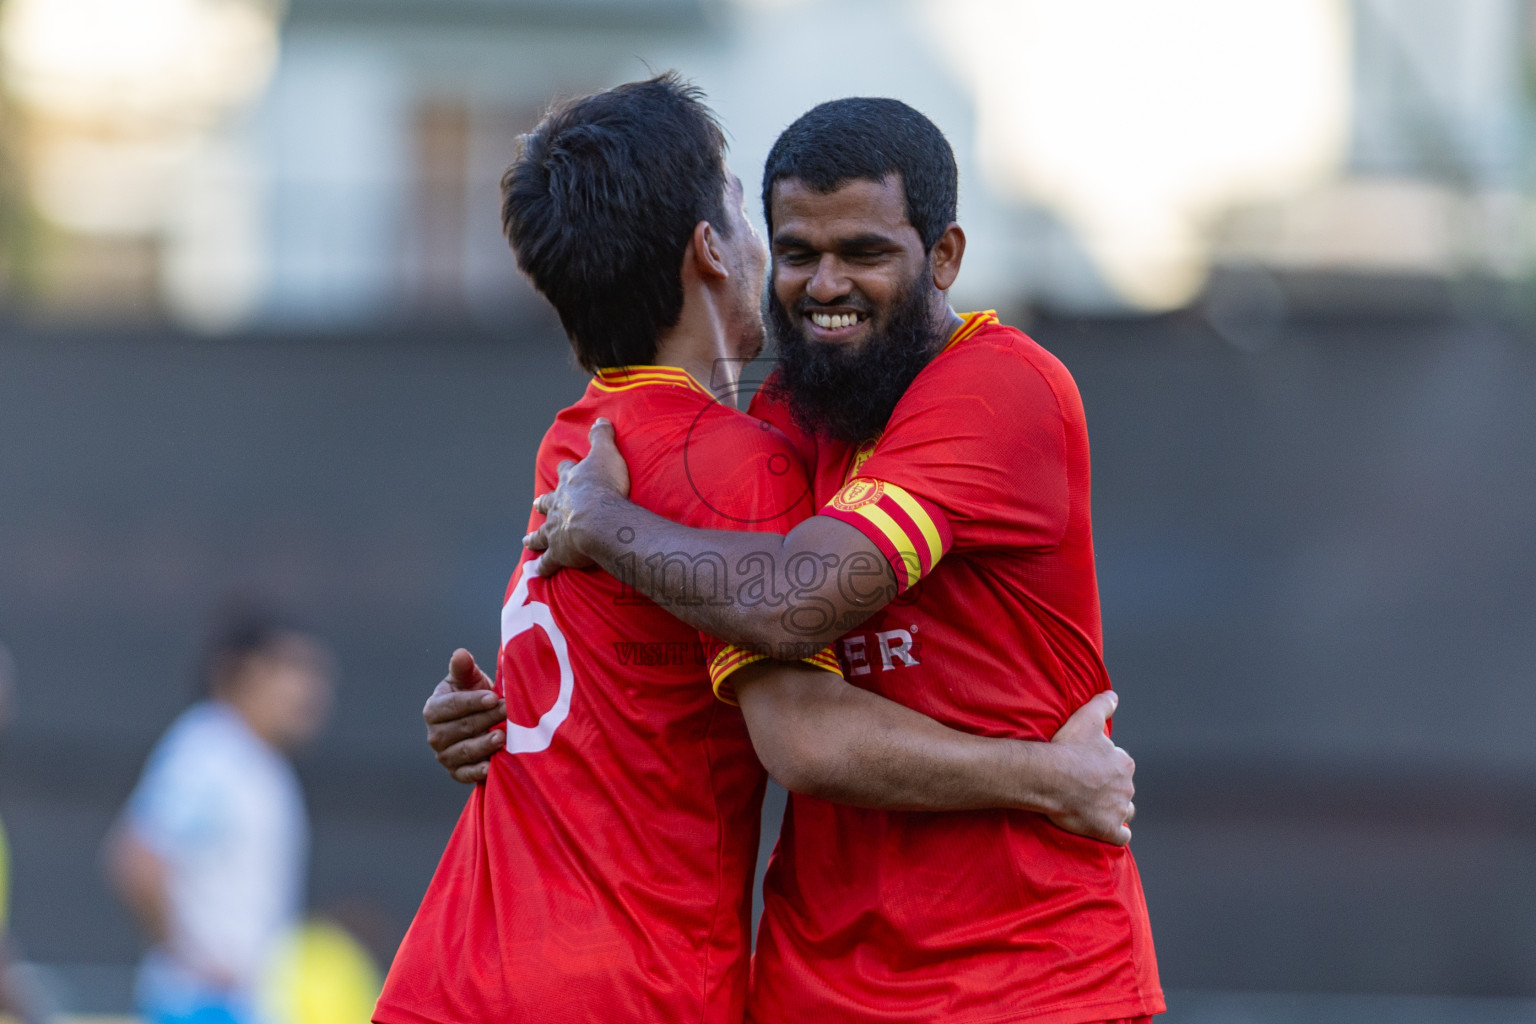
(322,976)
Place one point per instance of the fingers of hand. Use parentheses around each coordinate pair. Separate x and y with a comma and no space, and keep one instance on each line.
(472,774)
(444,708)
(1130,812)
(1087,721)
(536,541)
(471,751)
(447,702)
(462,671)
(1097,712)
(446,733)
(543,503)
(601,432)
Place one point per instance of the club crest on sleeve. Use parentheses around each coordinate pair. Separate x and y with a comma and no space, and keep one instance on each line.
(857,494)
(861,455)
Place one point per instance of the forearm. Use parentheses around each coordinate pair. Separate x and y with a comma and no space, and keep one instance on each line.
(138,875)
(825,738)
(786,596)
(722,583)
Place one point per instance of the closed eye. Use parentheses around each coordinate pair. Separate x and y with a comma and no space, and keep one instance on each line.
(796,257)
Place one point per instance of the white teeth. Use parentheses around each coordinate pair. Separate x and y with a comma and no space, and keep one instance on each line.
(829,322)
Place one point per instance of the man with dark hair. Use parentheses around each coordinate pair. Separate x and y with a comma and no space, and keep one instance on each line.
(848,391)
(600,204)
(603,869)
(953,567)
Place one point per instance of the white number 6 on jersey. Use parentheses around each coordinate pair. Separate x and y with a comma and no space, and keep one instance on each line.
(520,614)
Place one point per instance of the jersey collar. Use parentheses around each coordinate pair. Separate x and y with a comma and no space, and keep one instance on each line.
(971,323)
(623,378)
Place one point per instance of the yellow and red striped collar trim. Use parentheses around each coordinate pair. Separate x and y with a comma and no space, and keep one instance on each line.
(623,378)
(973,322)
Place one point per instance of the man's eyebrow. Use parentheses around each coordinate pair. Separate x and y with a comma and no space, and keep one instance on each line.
(789,241)
(868,240)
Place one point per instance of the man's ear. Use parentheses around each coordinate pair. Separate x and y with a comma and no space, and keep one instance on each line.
(708,254)
(947,253)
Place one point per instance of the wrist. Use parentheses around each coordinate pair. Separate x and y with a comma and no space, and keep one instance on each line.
(595,532)
(1047,775)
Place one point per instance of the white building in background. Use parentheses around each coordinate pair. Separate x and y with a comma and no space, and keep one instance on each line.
(1111,151)
(1089,166)
(392,204)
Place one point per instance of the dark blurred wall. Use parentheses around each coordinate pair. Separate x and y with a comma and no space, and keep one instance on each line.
(1317,567)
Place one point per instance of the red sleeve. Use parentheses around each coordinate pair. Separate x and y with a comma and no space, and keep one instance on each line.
(979,445)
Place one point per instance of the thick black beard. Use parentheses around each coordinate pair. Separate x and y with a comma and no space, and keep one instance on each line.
(850,395)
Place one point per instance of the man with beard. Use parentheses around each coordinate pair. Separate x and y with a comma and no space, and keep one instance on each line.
(951,562)
(602,871)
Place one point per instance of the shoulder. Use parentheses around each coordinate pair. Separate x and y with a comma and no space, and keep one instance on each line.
(648,422)
(569,429)
(1004,357)
(722,428)
(208,745)
(731,471)
(722,441)
(997,372)
(187,771)
(201,727)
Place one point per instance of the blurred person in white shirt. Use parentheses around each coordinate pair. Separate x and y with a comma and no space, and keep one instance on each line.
(211,851)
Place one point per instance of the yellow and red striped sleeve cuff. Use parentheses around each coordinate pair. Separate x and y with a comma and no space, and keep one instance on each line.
(911,533)
(732,658)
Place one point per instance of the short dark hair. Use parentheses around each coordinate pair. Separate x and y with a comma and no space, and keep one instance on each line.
(864,138)
(242,630)
(599,207)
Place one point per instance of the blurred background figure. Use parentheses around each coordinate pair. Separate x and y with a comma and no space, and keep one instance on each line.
(211,852)
(20,996)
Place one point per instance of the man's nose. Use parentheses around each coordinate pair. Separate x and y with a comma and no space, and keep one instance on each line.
(829,282)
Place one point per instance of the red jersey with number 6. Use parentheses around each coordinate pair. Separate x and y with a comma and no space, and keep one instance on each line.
(603,870)
(978,494)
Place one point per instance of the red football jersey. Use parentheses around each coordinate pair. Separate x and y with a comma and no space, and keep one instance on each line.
(978,492)
(603,871)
